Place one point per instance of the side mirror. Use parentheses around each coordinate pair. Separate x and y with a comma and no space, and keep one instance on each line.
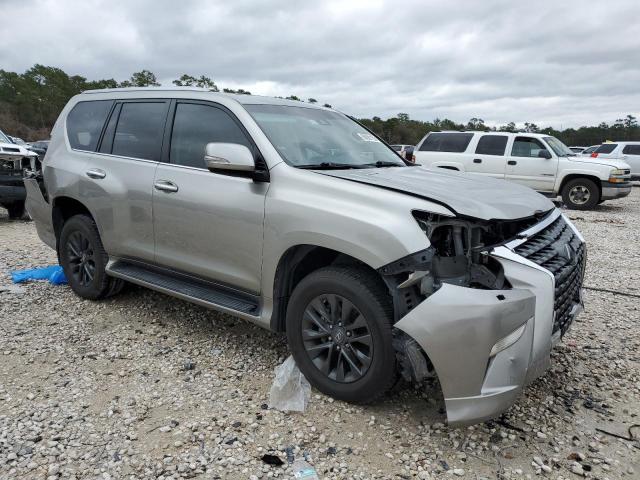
(544,154)
(230,157)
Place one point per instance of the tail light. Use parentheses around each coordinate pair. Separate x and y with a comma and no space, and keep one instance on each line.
(594,155)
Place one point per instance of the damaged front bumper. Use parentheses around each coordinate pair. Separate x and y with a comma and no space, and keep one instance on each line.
(486,345)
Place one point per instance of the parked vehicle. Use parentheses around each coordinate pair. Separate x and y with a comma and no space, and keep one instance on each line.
(40,144)
(628,152)
(297,218)
(405,151)
(589,150)
(538,161)
(577,150)
(14,161)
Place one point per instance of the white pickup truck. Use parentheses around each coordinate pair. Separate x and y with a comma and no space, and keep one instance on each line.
(539,161)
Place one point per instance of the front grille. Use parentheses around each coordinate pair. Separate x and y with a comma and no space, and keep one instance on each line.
(558,249)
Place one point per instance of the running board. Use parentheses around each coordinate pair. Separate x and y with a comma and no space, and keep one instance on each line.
(187,288)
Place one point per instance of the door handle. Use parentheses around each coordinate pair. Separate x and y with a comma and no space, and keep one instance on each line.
(477,160)
(512,162)
(96,173)
(165,186)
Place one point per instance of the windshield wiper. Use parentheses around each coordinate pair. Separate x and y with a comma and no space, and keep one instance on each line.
(380,164)
(329,166)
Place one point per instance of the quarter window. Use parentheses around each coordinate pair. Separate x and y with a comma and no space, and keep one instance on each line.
(196,125)
(139,130)
(492,145)
(526,147)
(631,150)
(85,122)
(446,142)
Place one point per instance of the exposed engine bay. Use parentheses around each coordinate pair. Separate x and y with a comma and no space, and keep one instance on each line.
(459,255)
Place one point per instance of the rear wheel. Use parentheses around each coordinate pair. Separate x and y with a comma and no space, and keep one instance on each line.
(84,259)
(339,322)
(581,194)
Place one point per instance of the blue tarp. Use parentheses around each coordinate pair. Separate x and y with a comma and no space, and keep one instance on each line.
(54,274)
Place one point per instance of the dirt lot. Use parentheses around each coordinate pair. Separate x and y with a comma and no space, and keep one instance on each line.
(146,386)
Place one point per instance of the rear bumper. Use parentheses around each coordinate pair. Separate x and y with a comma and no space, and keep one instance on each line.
(611,191)
(40,212)
(10,193)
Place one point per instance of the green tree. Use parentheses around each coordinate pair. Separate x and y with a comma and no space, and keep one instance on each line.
(293,97)
(202,82)
(327,105)
(143,78)
(312,100)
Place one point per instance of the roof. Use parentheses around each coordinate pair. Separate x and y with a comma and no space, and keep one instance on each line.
(240,98)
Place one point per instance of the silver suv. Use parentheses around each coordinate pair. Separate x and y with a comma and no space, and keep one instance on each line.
(299,219)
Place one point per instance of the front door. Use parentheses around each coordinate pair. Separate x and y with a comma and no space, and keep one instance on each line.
(207,224)
(527,167)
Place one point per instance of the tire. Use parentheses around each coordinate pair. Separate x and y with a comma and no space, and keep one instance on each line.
(16,210)
(581,194)
(84,259)
(339,290)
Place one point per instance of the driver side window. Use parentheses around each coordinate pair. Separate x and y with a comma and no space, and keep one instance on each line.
(526,147)
(194,126)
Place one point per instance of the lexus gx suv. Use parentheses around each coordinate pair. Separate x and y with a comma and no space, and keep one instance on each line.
(297,218)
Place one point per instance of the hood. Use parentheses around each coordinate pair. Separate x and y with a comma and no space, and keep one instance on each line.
(468,195)
(607,162)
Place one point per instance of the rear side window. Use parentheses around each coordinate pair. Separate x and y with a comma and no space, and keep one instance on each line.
(631,150)
(492,145)
(85,122)
(526,147)
(446,142)
(196,125)
(606,148)
(139,131)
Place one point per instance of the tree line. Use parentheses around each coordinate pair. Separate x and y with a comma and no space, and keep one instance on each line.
(31,101)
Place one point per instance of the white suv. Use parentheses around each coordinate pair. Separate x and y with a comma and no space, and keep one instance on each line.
(536,160)
(628,152)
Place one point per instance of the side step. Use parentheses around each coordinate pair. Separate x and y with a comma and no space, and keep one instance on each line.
(188,288)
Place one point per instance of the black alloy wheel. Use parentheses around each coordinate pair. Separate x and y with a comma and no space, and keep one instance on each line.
(81,258)
(337,338)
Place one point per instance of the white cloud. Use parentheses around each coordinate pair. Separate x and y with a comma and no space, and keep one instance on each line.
(560,63)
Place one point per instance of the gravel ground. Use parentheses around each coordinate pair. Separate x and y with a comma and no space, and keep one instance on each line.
(147,386)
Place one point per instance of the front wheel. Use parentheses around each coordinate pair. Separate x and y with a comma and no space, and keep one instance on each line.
(581,194)
(339,322)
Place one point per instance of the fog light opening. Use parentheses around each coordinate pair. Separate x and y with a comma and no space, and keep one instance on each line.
(507,341)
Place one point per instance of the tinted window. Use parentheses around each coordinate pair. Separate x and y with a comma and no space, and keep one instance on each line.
(492,145)
(446,142)
(196,125)
(590,149)
(606,148)
(84,124)
(139,130)
(526,147)
(631,149)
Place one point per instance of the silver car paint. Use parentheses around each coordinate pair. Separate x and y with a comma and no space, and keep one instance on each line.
(300,207)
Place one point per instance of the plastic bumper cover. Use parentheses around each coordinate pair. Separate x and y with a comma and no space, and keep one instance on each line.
(40,212)
(458,327)
(10,193)
(611,191)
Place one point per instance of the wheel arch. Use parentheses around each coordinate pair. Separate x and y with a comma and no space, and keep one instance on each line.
(296,263)
(575,176)
(63,208)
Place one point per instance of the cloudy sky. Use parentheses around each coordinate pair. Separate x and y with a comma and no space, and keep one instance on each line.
(566,63)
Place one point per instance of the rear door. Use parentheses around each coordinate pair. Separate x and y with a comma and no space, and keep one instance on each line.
(489,155)
(631,155)
(207,224)
(525,166)
(118,182)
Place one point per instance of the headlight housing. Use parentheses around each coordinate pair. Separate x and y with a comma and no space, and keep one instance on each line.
(619,175)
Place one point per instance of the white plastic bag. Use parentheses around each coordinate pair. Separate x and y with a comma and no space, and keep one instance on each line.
(290,391)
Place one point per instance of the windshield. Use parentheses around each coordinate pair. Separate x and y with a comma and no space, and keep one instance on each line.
(560,148)
(309,137)
(4,138)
